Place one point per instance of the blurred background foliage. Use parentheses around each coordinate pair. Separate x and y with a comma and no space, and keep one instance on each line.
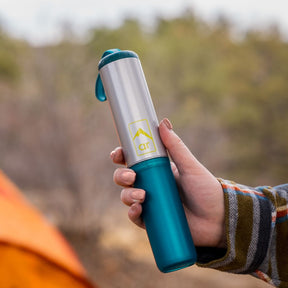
(225,93)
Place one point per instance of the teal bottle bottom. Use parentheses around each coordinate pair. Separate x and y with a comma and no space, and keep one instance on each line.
(164,215)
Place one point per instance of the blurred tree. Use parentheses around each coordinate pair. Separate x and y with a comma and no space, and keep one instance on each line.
(256,108)
(226,97)
(9,65)
(129,36)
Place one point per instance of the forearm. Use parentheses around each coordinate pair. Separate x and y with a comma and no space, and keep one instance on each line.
(252,217)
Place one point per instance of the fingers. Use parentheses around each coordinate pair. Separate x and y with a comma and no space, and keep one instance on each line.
(124,177)
(134,215)
(181,155)
(130,196)
(134,198)
(117,156)
(174,170)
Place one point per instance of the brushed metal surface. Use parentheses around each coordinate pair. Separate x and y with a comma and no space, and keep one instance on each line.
(133,111)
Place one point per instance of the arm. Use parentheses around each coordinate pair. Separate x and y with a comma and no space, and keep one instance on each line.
(256,232)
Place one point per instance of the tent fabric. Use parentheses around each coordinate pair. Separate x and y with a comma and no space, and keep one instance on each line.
(33,252)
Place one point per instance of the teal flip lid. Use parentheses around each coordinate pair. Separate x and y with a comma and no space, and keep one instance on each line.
(109,56)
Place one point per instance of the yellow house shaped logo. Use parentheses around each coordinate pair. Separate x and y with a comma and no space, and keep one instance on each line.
(142,137)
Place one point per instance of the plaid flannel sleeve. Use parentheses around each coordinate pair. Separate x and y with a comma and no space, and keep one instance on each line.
(256,231)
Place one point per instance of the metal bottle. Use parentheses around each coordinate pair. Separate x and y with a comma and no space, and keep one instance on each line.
(121,78)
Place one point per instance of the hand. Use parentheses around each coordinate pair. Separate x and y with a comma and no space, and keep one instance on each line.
(200,191)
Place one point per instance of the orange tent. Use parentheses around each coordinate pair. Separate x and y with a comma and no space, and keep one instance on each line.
(33,254)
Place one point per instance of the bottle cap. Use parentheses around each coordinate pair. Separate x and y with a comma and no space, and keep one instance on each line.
(108,57)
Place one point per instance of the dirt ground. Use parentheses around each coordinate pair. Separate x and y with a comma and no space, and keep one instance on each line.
(120,256)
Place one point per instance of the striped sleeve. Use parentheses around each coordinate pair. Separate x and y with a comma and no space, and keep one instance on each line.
(256,231)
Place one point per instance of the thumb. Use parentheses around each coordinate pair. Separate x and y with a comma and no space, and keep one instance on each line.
(180,154)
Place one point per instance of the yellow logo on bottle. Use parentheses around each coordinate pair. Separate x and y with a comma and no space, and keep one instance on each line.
(142,137)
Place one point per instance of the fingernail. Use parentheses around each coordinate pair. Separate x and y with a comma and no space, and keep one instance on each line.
(137,196)
(167,123)
(126,177)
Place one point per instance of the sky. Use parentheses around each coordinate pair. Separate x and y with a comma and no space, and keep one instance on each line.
(41,21)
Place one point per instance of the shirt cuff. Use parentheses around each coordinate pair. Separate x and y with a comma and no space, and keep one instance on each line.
(248,221)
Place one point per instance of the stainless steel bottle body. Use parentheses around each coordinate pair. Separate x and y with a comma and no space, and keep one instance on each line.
(132,108)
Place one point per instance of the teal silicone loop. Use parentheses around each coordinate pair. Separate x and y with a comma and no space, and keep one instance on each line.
(164,215)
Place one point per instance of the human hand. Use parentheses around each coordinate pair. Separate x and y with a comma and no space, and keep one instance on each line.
(200,191)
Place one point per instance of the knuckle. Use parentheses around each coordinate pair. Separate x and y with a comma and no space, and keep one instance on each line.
(122,195)
(115,175)
(126,197)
